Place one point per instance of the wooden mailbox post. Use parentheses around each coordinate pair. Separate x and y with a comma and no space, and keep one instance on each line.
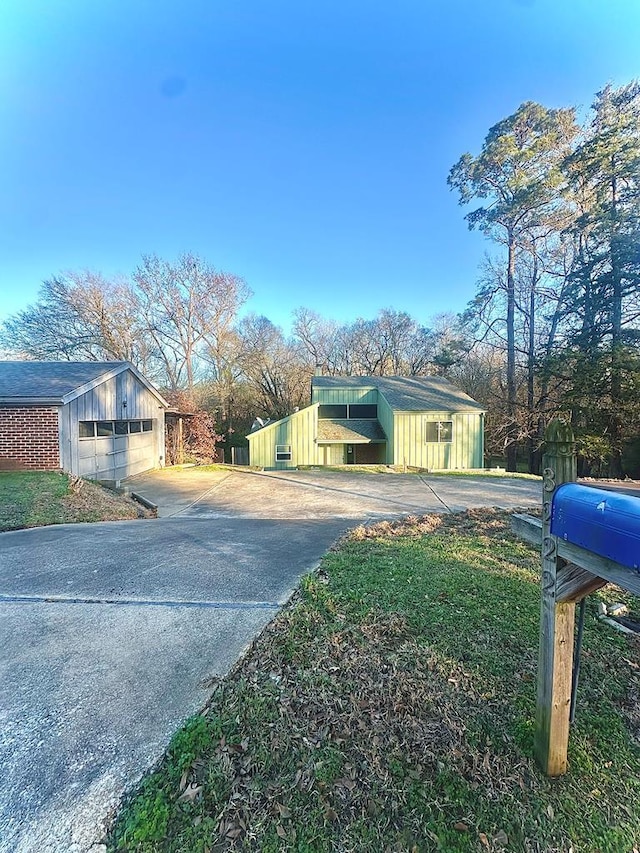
(569,573)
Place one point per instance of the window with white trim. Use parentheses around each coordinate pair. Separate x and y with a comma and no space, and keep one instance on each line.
(283,453)
(439,432)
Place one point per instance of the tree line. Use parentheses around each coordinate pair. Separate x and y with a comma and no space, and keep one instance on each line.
(558,301)
(552,328)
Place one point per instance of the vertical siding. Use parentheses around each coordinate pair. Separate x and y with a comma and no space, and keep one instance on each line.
(67,446)
(464,451)
(123,397)
(385,416)
(341,396)
(298,430)
(332,454)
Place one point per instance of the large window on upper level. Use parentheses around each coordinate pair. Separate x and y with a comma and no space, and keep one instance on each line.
(333,412)
(363,410)
(368,411)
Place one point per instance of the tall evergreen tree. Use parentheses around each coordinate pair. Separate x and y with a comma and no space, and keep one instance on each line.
(604,175)
(517,173)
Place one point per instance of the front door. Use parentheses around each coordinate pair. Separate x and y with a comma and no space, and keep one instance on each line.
(351,456)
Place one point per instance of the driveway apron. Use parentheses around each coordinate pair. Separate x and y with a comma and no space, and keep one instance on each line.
(113,632)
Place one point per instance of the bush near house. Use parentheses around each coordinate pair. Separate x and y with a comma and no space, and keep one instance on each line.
(199,434)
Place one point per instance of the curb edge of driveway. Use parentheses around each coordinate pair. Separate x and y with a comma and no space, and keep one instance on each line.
(144,501)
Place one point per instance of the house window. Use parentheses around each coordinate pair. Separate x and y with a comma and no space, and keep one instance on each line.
(439,431)
(352,410)
(135,426)
(122,427)
(360,410)
(333,412)
(283,453)
(147,426)
(104,428)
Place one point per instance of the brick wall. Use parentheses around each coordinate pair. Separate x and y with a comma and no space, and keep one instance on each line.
(29,438)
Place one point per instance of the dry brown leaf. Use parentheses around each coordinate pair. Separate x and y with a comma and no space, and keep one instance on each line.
(233,832)
(460,826)
(283,811)
(184,780)
(190,793)
(501,837)
(483,838)
(282,833)
(331,814)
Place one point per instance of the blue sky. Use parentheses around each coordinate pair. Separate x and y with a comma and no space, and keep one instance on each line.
(303,146)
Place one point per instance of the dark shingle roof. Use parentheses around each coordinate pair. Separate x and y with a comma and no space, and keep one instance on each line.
(354,430)
(408,393)
(52,381)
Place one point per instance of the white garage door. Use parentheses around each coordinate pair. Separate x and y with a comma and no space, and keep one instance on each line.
(113,450)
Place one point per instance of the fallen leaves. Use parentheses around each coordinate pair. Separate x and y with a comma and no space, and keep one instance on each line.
(332,723)
(190,793)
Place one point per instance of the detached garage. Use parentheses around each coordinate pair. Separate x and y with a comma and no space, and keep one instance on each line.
(101,420)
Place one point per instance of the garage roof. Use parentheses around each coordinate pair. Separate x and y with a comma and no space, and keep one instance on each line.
(408,393)
(58,382)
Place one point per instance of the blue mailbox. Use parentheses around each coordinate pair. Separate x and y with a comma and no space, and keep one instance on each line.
(607,523)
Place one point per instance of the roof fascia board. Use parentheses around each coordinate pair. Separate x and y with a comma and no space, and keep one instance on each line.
(351,441)
(30,401)
(109,374)
(147,384)
(282,420)
(439,411)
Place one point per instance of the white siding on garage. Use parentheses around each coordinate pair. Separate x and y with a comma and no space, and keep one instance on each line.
(120,398)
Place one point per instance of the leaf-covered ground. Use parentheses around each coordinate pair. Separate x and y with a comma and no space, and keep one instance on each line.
(35,499)
(390,708)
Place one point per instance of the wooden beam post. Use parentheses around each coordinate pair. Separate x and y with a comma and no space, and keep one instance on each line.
(180,442)
(555,659)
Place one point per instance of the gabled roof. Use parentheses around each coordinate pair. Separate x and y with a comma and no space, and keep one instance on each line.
(408,393)
(59,382)
(354,431)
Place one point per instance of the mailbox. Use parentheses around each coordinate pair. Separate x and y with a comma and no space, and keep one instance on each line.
(607,523)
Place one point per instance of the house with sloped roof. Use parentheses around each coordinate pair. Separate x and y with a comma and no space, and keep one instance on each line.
(418,421)
(101,420)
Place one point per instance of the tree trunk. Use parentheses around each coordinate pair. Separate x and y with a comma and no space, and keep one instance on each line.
(531,362)
(616,330)
(512,428)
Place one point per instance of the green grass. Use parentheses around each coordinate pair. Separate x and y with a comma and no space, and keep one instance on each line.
(390,707)
(350,469)
(486,472)
(397,469)
(214,466)
(36,499)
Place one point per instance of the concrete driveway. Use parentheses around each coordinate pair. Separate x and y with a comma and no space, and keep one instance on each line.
(112,632)
(322,494)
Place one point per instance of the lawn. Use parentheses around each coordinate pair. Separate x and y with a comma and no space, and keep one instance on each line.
(398,469)
(35,499)
(390,707)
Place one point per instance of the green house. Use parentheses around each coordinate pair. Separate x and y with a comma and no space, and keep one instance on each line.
(418,421)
